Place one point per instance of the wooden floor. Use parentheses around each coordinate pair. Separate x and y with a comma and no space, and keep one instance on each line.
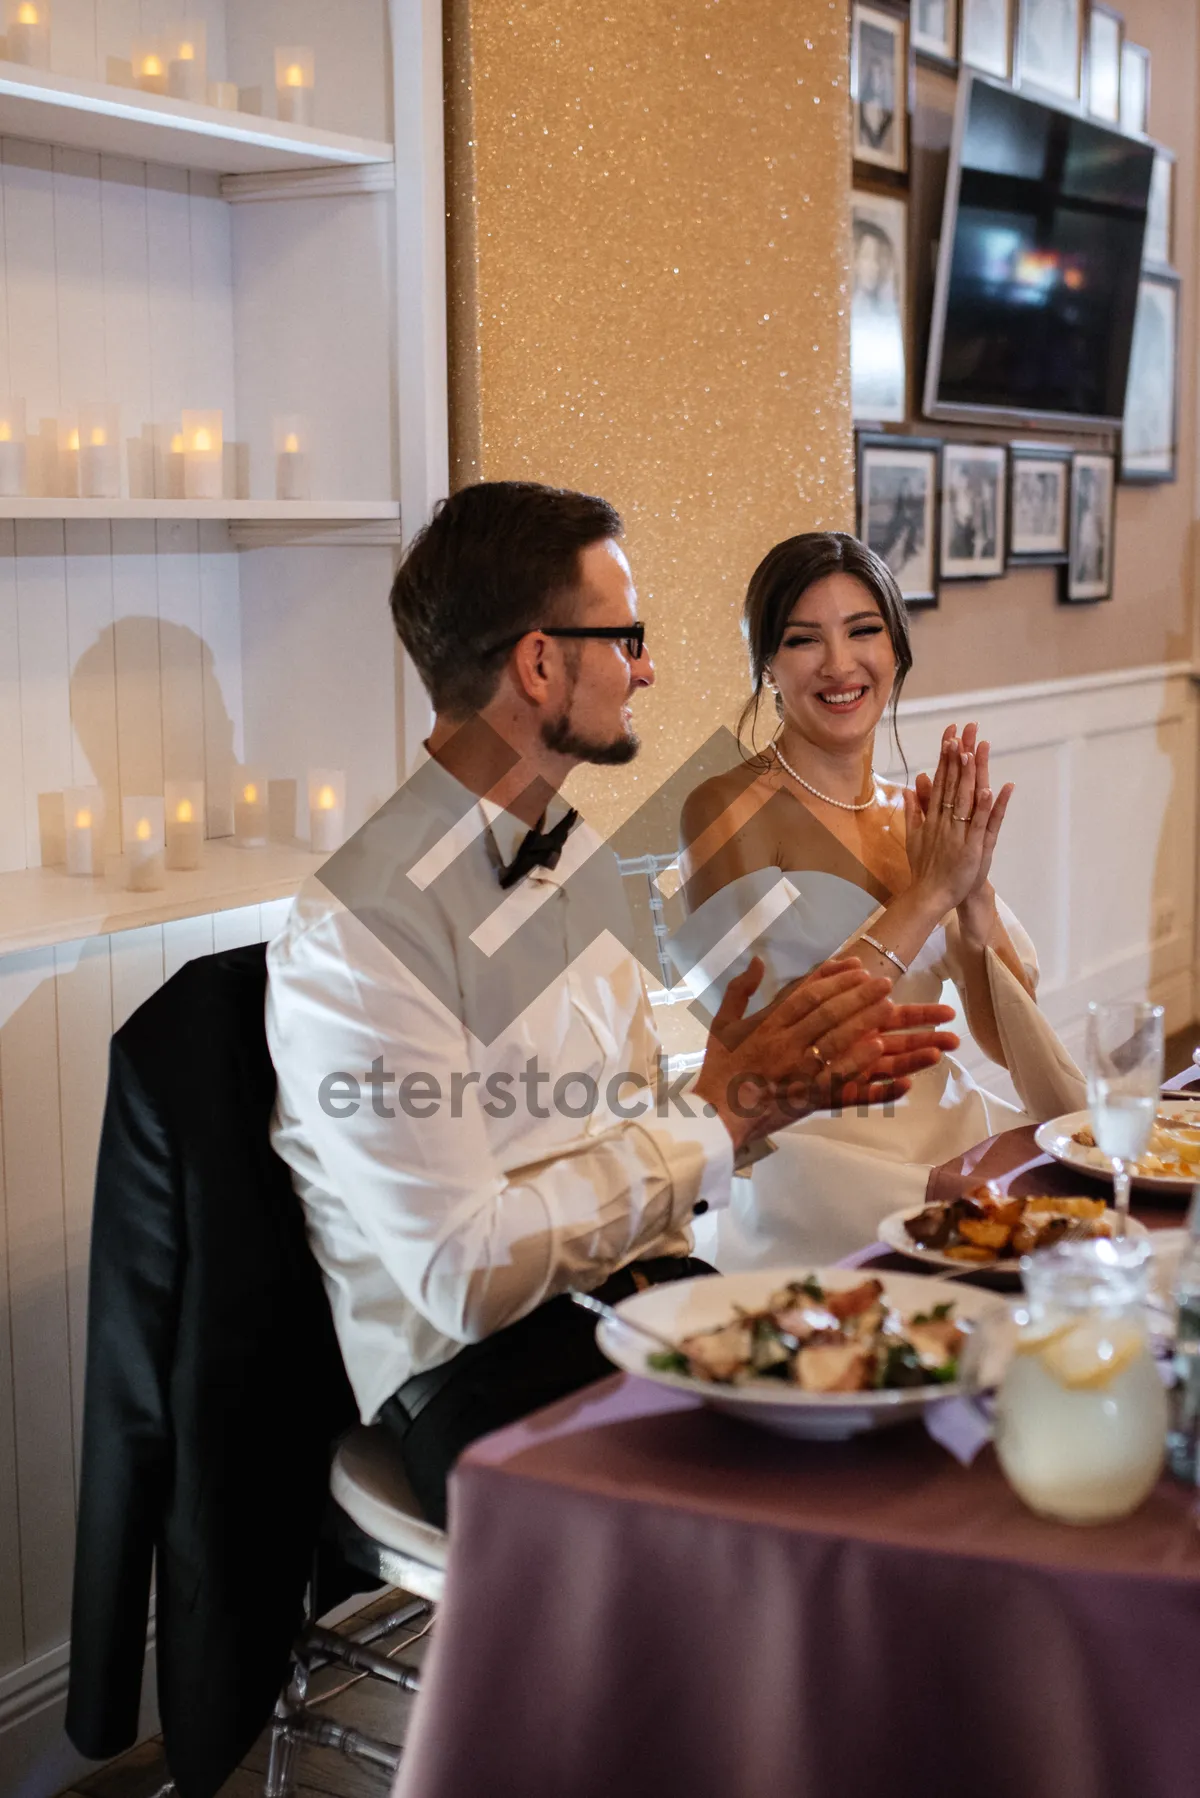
(366,1704)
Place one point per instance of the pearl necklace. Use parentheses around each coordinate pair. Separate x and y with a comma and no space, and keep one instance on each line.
(843,805)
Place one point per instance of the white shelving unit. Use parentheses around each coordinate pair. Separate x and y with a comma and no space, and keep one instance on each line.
(274,511)
(113,121)
(165,256)
(43,906)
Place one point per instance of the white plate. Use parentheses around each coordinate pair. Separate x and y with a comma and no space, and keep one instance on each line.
(892,1231)
(1054,1138)
(684,1307)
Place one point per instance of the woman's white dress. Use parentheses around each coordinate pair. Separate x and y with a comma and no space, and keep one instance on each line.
(833,1177)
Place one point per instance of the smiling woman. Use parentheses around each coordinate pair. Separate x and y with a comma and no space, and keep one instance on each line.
(802,852)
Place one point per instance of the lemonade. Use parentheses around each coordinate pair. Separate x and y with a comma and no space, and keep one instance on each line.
(1081,1414)
(1081,1437)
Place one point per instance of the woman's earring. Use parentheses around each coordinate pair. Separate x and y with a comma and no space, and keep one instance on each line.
(769,684)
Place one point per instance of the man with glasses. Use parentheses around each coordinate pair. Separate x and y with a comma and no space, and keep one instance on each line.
(467,1063)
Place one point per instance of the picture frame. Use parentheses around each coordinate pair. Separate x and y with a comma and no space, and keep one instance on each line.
(974,511)
(1105,36)
(1135,89)
(897,509)
(1150,430)
(879,307)
(1050,46)
(1039,485)
(985,36)
(1158,243)
(933,28)
(1087,574)
(879,83)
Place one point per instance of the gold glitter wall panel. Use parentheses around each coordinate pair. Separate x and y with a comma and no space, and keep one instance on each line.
(648,217)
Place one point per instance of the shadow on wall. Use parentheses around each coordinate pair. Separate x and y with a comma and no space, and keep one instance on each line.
(146,705)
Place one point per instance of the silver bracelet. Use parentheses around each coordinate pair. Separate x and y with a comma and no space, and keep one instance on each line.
(890,953)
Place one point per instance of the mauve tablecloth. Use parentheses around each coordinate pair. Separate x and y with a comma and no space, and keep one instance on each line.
(646,1598)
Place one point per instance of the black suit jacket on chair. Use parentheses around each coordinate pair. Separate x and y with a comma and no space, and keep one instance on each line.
(214,1385)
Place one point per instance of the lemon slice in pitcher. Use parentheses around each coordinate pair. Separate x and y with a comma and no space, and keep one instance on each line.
(1091,1353)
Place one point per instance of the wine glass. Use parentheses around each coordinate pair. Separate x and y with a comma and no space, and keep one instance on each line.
(1124,1078)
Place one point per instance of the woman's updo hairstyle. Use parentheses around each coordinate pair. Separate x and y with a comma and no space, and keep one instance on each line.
(783,576)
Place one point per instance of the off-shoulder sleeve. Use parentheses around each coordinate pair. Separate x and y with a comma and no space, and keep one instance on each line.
(1044,1074)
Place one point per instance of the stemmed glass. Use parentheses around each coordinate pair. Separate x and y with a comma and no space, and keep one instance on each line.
(1124,1079)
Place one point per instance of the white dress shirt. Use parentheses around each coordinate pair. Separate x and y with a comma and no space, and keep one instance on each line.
(480,1196)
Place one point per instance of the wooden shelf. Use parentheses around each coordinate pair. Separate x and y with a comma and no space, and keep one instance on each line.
(266,511)
(41,906)
(118,121)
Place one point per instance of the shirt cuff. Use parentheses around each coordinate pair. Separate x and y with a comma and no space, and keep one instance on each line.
(699,1156)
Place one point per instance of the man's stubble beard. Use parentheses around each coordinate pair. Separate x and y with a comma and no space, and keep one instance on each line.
(561,739)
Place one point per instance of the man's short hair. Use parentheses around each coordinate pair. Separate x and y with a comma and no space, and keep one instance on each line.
(495,560)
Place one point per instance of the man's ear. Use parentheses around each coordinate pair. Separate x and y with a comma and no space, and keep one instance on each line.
(530,666)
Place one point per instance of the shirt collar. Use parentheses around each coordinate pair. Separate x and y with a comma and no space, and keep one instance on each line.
(507,831)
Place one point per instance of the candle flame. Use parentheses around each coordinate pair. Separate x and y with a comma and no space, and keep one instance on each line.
(293,75)
(183,812)
(99,437)
(83,820)
(27,15)
(250,793)
(152,64)
(326,800)
(177,444)
(202,441)
(291,443)
(187,52)
(5,431)
(144,830)
(73,441)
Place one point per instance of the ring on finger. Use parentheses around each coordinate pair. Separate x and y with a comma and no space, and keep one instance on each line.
(959,819)
(947,805)
(821,1061)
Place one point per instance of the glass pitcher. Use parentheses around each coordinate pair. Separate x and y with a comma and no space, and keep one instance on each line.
(1081,1413)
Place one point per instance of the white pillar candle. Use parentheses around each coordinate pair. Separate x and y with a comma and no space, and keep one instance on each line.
(13,468)
(68,458)
(143,836)
(29,33)
(291,463)
(203,455)
(150,66)
(326,810)
(224,96)
(187,62)
(185,824)
(249,809)
(83,821)
(100,452)
(294,76)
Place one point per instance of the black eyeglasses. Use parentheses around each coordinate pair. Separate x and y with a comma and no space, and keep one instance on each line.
(631,637)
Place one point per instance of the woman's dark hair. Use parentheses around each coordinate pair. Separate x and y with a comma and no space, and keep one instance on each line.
(495,560)
(787,572)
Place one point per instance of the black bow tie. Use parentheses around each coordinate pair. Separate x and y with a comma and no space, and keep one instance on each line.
(539,849)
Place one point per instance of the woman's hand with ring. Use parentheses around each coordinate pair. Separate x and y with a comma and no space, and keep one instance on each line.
(946,823)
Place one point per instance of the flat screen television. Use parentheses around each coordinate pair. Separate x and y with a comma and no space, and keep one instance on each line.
(1037,276)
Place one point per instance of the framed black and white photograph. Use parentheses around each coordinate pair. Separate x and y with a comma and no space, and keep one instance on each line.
(986,36)
(974,505)
(1135,88)
(879,88)
(1049,41)
(1039,479)
(1148,434)
(1156,245)
(1105,33)
(934,26)
(878,308)
(897,509)
(1088,572)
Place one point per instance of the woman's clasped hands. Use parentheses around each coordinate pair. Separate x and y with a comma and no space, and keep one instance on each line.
(952,823)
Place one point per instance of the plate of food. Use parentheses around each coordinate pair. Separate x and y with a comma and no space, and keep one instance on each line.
(984,1228)
(1171,1162)
(825,1353)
